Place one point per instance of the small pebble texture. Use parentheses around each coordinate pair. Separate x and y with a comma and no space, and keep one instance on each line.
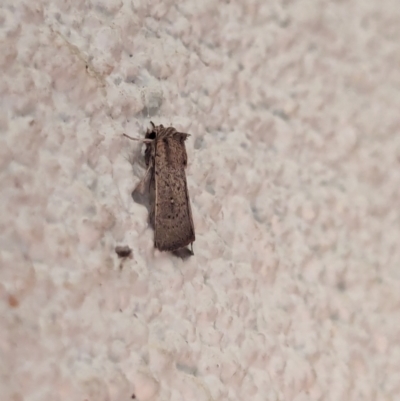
(293,171)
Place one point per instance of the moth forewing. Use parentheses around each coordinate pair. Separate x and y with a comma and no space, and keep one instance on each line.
(173,225)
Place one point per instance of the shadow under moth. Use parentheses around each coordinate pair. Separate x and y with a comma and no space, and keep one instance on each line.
(170,213)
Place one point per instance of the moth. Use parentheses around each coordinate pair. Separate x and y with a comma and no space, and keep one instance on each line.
(170,212)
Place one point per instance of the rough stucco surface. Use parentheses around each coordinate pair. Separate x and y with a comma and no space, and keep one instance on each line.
(293,292)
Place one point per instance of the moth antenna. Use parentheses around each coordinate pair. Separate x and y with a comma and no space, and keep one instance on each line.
(151,122)
(138,139)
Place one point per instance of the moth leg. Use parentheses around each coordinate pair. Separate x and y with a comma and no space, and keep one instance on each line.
(138,139)
(141,186)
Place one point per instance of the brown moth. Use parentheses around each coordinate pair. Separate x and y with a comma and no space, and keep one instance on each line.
(170,212)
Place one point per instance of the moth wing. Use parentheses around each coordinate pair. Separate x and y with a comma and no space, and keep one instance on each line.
(172,215)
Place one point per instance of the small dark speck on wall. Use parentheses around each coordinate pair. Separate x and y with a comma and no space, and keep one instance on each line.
(123,251)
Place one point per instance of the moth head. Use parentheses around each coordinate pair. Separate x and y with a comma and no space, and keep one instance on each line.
(151,134)
(155,131)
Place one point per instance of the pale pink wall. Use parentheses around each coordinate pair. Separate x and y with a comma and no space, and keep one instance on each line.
(293,292)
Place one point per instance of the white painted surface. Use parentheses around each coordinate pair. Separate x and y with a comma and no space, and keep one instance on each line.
(293,293)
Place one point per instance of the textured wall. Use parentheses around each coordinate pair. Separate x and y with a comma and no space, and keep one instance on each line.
(293,292)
